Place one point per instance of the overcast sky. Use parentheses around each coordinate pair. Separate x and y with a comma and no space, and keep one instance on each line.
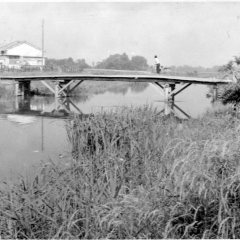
(180,33)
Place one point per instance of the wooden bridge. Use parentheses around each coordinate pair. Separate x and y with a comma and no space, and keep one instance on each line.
(65,84)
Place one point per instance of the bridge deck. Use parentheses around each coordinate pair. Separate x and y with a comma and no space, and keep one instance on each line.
(126,78)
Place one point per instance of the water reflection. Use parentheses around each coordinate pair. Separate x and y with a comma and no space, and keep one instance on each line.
(123,88)
(172,109)
(138,87)
(134,94)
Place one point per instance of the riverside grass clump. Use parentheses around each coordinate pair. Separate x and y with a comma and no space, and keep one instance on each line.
(133,174)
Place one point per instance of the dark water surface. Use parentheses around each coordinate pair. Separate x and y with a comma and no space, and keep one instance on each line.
(33,129)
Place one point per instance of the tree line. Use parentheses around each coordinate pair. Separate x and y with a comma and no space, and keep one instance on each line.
(115,61)
(123,62)
(67,64)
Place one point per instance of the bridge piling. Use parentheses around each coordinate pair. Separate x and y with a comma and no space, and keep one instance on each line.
(56,89)
(166,92)
(22,88)
(16,88)
(215,93)
(172,86)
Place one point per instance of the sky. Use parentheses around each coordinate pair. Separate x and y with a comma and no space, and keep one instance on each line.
(180,33)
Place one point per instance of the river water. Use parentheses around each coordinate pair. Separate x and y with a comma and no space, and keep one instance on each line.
(33,129)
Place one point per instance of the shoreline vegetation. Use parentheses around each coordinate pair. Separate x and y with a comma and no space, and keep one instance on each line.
(133,174)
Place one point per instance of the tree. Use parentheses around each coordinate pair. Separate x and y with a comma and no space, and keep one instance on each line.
(116,61)
(81,63)
(122,62)
(230,93)
(139,63)
(67,63)
(227,68)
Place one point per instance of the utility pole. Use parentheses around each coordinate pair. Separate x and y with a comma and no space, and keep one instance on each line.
(42,44)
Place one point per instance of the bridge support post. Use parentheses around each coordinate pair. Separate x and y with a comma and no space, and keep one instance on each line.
(56,89)
(16,88)
(172,86)
(167,109)
(166,92)
(16,104)
(27,87)
(215,93)
(21,87)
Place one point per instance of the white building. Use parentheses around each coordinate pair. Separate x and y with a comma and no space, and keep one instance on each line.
(19,53)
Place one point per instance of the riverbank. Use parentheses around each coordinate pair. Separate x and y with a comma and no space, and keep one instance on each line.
(133,174)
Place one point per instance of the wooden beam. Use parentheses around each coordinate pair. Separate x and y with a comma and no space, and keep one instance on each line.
(61,93)
(157,88)
(75,106)
(67,85)
(175,93)
(48,86)
(65,107)
(181,110)
(159,85)
(76,85)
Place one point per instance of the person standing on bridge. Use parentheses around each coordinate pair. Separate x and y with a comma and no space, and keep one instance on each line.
(157,64)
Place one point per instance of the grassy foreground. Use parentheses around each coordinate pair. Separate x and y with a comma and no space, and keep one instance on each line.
(133,174)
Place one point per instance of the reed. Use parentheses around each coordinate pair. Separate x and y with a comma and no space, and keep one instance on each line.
(133,174)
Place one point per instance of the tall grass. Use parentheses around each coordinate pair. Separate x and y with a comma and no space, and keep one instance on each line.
(133,174)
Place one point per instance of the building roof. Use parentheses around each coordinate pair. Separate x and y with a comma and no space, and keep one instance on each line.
(15,44)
